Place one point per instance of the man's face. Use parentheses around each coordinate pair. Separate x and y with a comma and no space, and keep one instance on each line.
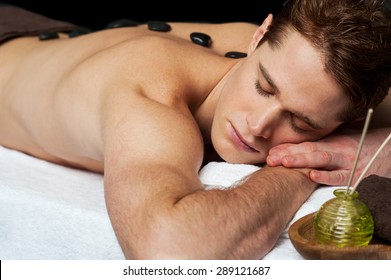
(276,95)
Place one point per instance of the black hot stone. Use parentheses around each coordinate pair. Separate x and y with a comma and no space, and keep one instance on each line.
(48,36)
(122,23)
(78,32)
(201,39)
(159,26)
(234,54)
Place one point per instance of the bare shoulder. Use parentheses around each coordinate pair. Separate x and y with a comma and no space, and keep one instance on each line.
(138,130)
(163,68)
(146,107)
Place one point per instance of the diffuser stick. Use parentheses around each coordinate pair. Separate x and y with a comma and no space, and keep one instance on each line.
(363,134)
(371,162)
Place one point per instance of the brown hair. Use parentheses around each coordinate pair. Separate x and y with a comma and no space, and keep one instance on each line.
(355,38)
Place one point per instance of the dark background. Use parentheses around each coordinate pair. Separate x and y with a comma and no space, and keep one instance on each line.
(97,15)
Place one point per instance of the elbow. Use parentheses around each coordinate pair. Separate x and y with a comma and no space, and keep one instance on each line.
(165,242)
(167,239)
(168,242)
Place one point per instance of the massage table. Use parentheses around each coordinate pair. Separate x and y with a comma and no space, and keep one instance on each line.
(52,212)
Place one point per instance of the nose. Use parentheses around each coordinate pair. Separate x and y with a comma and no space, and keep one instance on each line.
(263,123)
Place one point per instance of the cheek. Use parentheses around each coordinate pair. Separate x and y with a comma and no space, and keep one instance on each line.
(283,133)
(239,89)
(240,100)
(287,135)
(231,103)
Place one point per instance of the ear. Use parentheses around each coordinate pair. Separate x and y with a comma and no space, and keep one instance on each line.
(258,35)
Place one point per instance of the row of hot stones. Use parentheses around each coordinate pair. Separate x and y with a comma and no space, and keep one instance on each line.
(198,38)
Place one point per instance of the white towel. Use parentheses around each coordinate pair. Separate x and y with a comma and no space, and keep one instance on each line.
(49,211)
(53,212)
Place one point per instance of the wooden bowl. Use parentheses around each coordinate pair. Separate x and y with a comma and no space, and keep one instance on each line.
(302,236)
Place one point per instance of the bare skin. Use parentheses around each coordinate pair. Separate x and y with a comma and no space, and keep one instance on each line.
(52,66)
(332,157)
(140,106)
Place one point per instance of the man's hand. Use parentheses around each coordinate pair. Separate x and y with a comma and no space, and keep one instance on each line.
(333,156)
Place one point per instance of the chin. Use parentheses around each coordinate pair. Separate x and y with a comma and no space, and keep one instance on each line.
(229,153)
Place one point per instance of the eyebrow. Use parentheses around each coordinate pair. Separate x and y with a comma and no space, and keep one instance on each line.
(297,114)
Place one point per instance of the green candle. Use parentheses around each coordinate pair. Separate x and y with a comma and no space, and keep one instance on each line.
(344,221)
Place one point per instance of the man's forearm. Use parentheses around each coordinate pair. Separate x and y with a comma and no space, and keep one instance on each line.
(248,219)
(243,222)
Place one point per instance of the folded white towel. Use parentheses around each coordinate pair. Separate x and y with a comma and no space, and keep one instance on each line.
(222,174)
(49,211)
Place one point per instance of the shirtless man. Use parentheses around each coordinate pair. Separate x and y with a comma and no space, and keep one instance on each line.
(142,106)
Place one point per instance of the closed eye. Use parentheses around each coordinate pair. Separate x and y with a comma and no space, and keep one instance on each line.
(261,91)
(310,126)
(295,127)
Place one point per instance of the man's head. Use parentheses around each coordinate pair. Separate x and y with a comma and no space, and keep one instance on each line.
(354,37)
(299,81)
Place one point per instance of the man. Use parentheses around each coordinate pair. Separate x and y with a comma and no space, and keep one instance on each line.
(143,107)
(333,155)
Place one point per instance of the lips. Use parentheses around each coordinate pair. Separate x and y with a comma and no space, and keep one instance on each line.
(240,142)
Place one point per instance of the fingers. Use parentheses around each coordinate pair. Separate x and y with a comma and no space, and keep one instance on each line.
(312,160)
(331,163)
(278,153)
(332,178)
(323,159)
(307,155)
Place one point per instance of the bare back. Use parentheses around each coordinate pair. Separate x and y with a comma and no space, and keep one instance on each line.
(52,93)
(138,105)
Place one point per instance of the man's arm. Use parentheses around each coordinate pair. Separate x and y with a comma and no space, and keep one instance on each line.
(158,205)
(240,223)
